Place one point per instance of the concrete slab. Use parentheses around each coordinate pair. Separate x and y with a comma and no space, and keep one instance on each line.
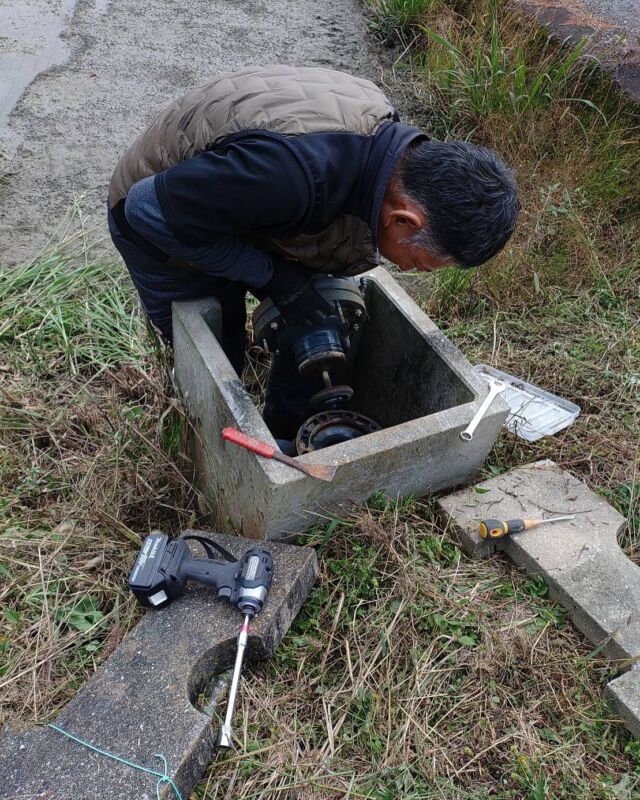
(408,376)
(624,695)
(580,559)
(141,700)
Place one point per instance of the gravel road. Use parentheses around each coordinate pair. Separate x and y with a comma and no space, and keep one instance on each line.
(114,65)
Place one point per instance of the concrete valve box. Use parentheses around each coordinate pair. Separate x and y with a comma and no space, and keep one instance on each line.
(406,375)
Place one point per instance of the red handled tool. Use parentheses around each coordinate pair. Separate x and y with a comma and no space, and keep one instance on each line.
(322,471)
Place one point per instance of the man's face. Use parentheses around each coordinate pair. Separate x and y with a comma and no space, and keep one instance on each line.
(408,256)
(400,219)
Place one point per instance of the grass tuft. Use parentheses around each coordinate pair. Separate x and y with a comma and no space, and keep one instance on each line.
(482,72)
(89,440)
(68,305)
(394,21)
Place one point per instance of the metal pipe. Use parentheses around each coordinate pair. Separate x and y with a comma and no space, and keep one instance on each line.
(224,736)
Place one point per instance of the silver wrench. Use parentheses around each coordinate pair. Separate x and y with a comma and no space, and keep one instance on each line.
(495,387)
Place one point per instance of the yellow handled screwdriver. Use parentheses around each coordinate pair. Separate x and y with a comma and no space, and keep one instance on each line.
(495,528)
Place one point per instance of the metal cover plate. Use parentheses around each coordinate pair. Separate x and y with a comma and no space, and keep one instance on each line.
(534,412)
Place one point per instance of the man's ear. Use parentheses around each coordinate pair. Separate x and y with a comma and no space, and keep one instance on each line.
(399,210)
(407,218)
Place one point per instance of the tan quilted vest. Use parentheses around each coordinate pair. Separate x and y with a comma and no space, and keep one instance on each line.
(286,100)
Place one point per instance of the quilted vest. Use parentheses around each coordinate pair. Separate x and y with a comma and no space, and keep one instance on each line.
(286,100)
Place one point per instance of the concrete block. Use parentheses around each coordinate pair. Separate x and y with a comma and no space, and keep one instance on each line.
(623,694)
(580,559)
(141,700)
(408,377)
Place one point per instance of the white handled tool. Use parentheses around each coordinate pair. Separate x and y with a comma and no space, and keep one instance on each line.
(224,735)
(495,387)
(256,576)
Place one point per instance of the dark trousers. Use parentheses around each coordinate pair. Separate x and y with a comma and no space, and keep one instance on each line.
(287,398)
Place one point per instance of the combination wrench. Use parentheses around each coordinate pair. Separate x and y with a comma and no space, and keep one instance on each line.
(495,387)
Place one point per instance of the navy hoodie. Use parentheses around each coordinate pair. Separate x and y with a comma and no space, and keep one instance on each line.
(207,209)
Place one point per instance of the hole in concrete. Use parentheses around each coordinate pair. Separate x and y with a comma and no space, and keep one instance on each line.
(211,674)
(210,666)
(211,699)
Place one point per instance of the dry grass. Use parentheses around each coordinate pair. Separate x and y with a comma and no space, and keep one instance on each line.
(87,464)
(411,671)
(85,475)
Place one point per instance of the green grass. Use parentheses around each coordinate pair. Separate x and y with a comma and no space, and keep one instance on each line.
(88,445)
(396,20)
(70,306)
(502,77)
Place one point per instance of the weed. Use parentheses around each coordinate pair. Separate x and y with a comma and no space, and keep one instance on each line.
(481,74)
(81,312)
(82,466)
(393,20)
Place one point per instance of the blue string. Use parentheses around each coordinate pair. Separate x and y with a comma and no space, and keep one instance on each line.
(163,777)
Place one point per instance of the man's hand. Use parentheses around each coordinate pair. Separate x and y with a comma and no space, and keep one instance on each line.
(291,289)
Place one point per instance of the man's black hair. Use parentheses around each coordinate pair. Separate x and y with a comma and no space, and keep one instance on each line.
(469,195)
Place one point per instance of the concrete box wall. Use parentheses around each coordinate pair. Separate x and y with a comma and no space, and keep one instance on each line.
(407,375)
